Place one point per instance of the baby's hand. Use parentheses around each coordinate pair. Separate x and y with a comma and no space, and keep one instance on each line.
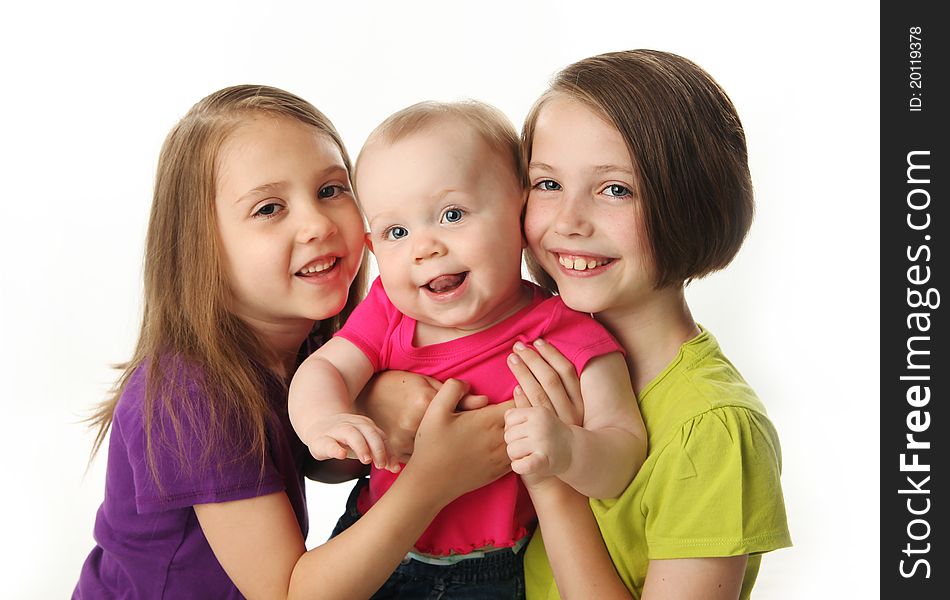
(350,436)
(539,443)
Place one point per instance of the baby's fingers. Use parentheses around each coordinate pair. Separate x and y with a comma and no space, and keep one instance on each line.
(359,449)
(326,447)
(373,445)
(516,416)
(535,463)
(519,449)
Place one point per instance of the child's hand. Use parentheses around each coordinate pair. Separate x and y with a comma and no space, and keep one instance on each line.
(350,436)
(547,379)
(539,444)
(457,452)
(396,402)
(548,401)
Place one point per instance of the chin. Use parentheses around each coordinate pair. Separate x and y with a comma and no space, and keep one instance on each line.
(327,308)
(581,302)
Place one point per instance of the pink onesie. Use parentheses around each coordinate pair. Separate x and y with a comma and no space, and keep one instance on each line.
(499,514)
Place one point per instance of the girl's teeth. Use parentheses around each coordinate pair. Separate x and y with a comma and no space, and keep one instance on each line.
(319,267)
(580,264)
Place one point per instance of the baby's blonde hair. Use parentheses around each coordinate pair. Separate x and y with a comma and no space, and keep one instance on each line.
(489,123)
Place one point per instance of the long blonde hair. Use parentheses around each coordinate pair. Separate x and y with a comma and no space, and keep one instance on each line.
(186,322)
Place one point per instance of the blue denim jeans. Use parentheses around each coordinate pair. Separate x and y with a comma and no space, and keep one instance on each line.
(497,576)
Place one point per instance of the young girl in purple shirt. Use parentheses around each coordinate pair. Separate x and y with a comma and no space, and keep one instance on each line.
(253,256)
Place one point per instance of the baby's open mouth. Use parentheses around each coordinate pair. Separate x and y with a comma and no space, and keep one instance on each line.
(446,283)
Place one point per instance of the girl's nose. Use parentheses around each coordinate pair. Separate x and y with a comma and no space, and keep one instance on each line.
(571,219)
(315,224)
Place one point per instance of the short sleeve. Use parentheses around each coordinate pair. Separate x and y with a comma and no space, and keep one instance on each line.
(183,473)
(715,489)
(578,336)
(371,324)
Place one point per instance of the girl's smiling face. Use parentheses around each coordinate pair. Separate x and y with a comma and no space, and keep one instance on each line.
(291,236)
(584,221)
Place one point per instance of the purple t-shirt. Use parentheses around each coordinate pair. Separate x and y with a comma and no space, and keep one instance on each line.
(148,541)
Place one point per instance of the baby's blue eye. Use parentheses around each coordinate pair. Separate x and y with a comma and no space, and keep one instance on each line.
(396,233)
(452,215)
(616,190)
(329,191)
(548,185)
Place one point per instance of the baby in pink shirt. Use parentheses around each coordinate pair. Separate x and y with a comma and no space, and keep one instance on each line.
(441,188)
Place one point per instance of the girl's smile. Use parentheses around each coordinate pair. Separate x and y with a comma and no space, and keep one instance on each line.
(290,231)
(575,264)
(584,221)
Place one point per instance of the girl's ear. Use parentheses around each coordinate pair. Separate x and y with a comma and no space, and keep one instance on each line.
(369,241)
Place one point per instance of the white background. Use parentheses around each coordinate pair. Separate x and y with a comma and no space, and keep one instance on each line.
(89,91)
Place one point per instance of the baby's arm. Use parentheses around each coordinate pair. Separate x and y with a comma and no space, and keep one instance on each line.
(598,459)
(321,405)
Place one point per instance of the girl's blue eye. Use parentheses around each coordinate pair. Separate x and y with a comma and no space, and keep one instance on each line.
(616,190)
(548,185)
(268,210)
(330,191)
(396,233)
(452,215)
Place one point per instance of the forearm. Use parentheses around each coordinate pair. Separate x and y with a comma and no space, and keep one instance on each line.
(357,562)
(579,560)
(603,461)
(318,390)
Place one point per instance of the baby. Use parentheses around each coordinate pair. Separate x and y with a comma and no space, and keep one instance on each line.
(442,189)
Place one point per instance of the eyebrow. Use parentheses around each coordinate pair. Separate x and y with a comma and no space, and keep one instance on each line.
(262,189)
(267,188)
(612,168)
(597,169)
(541,165)
(381,222)
(437,197)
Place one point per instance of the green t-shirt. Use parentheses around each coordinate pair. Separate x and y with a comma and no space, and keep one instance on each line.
(709,486)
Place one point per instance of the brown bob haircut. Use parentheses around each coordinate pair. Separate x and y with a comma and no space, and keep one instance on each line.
(688,151)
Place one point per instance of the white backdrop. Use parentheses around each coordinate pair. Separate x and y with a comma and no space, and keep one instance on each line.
(91,89)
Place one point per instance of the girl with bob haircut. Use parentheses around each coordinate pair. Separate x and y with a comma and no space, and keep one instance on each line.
(637,164)
(638,183)
(253,257)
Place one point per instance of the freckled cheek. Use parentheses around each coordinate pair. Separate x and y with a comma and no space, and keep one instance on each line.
(535,224)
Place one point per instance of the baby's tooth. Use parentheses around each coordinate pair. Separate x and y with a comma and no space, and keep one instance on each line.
(580,264)
(591,264)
